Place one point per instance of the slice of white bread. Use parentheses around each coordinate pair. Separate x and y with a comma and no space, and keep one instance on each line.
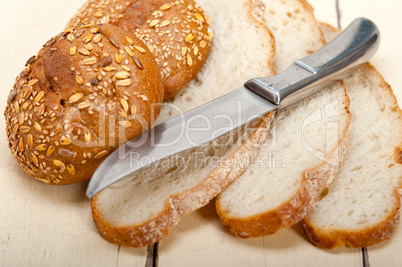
(306,144)
(362,205)
(297,33)
(140,209)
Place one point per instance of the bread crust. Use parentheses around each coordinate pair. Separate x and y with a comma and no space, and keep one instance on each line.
(301,203)
(142,235)
(332,238)
(78,99)
(177,32)
(254,10)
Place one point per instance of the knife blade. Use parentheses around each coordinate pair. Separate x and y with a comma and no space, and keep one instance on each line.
(352,48)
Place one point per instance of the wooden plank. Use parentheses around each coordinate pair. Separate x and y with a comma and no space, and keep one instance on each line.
(387,16)
(42,225)
(200,240)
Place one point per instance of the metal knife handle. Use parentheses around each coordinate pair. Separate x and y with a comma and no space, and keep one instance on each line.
(347,52)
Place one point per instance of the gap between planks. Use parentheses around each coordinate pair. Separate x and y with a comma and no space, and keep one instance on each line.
(152,258)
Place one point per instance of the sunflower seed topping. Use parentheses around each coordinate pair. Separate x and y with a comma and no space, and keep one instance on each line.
(118,57)
(87,137)
(139,48)
(189,37)
(37,127)
(165,7)
(58,163)
(34,159)
(128,50)
(83,105)
(97,38)
(203,44)
(138,63)
(21,145)
(129,40)
(109,68)
(122,113)
(65,153)
(32,82)
(114,42)
(71,169)
(99,14)
(30,140)
(64,141)
(153,23)
(122,75)
(133,110)
(200,17)
(165,23)
(126,82)
(101,154)
(70,37)
(50,150)
(124,104)
(89,61)
(79,79)
(75,97)
(41,147)
(106,61)
(125,124)
(39,96)
(73,50)
(25,129)
(84,51)
(88,38)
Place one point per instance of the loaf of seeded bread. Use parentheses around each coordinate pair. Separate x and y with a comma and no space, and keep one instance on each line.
(78,99)
(176,32)
(306,143)
(361,207)
(140,209)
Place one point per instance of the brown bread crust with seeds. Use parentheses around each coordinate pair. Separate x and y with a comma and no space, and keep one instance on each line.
(87,91)
(177,32)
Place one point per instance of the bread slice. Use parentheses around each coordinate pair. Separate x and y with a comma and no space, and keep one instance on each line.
(140,209)
(297,32)
(306,144)
(362,205)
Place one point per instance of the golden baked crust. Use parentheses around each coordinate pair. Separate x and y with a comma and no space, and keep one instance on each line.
(88,90)
(177,32)
(333,238)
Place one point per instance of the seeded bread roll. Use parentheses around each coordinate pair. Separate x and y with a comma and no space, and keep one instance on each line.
(177,32)
(87,91)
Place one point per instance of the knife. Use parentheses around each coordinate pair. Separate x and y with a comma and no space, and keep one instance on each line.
(348,51)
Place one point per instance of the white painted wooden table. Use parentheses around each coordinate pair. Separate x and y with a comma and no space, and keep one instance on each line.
(41,225)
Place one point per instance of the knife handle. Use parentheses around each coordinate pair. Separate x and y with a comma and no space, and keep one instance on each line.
(352,48)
